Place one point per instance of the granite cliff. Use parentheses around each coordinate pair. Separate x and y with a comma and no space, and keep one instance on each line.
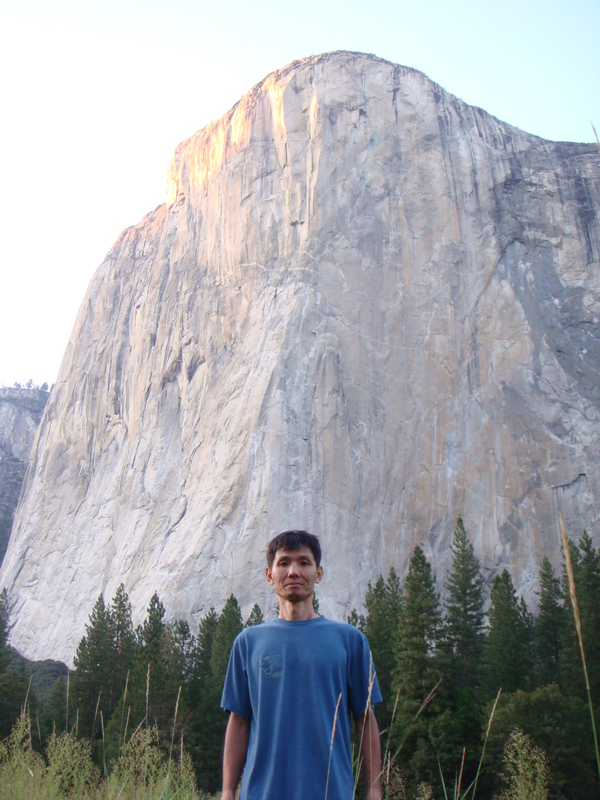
(21,409)
(365,308)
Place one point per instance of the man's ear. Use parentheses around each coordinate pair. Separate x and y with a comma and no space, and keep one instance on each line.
(319,574)
(269,576)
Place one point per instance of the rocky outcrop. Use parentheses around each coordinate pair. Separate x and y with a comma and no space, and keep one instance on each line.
(21,409)
(365,308)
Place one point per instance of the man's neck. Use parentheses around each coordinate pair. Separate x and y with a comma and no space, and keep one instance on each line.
(297,612)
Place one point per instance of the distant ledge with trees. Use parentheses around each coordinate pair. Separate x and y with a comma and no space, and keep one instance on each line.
(29,386)
(28,395)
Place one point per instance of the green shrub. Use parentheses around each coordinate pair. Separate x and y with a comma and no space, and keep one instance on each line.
(71,771)
(526,771)
(21,769)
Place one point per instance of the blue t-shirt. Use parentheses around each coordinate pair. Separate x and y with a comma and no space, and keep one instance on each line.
(287,679)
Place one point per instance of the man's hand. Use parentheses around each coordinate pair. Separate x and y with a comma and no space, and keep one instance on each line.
(234,754)
(367,736)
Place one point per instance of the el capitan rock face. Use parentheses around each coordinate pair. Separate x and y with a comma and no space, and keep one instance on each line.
(366,308)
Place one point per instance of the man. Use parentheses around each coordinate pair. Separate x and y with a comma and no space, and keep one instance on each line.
(292,686)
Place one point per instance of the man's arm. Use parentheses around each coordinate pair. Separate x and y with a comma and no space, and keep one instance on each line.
(234,754)
(367,736)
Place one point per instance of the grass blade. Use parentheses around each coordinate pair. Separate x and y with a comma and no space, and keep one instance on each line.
(424,705)
(487,734)
(575,607)
(335,716)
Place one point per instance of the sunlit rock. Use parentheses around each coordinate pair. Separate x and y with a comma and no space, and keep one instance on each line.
(366,308)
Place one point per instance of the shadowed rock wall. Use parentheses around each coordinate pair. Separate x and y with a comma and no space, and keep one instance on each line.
(21,409)
(365,308)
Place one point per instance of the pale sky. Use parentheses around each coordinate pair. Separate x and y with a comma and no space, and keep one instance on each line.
(96,94)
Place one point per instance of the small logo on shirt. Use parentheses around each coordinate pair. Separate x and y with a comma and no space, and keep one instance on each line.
(270,665)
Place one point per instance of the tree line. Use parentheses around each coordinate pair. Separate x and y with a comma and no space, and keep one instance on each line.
(29,385)
(440,665)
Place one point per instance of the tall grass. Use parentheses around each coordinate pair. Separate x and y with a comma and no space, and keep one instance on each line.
(66,771)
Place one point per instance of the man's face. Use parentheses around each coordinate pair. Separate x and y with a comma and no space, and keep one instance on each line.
(294,574)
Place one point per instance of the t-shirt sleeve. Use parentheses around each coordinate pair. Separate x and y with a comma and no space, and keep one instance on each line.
(362,682)
(236,694)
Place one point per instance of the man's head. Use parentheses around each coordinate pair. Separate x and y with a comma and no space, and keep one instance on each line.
(293,540)
(293,570)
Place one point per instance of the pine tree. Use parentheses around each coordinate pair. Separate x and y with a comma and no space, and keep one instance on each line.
(220,636)
(588,593)
(548,628)
(418,634)
(182,644)
(123,644)
(156,678)
(357,620)
(464,637)
(104,657)
(585,561)
(13,681)
(92,678)
(14,690)
(55,708)
(255,618)
(417,670)
(201,656)
(204,735)
(179,645)
(508,648)
(383,603)
(229,625)
(570,667)
(458,728)
(151,633)
(528,632)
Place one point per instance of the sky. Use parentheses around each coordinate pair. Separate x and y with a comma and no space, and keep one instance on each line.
(96,94)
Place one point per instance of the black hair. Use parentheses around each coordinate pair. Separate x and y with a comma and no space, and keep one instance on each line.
(293,540)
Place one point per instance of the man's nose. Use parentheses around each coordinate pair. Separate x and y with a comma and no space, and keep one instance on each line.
(293,569)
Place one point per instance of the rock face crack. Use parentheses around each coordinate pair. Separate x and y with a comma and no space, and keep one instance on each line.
(365,309)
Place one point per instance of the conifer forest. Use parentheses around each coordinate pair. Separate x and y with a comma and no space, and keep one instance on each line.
(482,698)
